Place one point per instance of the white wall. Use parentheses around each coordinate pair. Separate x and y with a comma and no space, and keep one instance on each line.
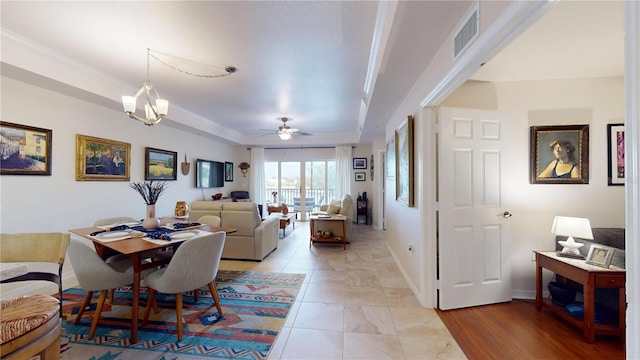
(58,202)
(416,225)
(595,102)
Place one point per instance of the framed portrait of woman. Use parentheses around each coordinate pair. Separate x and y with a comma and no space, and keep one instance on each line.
(559,154)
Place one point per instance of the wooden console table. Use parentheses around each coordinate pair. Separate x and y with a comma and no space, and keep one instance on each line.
(315,219)
(591,277)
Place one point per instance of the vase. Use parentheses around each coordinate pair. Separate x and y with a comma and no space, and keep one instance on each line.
(181,209)
(151,222)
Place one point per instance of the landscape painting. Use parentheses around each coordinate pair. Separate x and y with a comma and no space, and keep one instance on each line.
(102,159)
(25,150)
(160,164)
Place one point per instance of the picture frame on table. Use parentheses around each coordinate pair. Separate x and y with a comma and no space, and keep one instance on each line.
(26,150)
(100,159)
(228,171)
(160,164)
(559,154)
(600,255)
(359,163)
(404,162)
(615,154)
(361,176)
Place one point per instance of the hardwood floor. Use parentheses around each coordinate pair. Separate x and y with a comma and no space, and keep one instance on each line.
(515,330)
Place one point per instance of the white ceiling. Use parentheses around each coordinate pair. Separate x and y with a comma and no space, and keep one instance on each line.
(307,60)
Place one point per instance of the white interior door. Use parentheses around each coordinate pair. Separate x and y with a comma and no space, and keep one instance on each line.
(473,239)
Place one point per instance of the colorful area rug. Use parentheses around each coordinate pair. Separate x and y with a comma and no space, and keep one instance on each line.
(254,306)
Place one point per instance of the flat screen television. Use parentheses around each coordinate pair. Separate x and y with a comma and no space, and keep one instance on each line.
(209,174)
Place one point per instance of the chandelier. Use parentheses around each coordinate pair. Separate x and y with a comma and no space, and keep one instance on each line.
(156,108)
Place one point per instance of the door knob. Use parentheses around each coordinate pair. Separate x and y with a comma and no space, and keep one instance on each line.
(506,214)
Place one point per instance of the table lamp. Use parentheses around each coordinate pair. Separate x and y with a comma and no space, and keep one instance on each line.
(570,227)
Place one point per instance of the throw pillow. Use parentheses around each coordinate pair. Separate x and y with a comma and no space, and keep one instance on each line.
(334,207)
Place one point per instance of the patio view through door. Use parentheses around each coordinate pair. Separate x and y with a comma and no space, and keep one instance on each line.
(301,185)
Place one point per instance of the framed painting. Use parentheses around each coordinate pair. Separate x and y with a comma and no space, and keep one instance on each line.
(559,154)
(404,162)
(26,150)
(228,171)
(160,164)
(391,158)
(361,176)
(102,159)
(359,163)
(615,152)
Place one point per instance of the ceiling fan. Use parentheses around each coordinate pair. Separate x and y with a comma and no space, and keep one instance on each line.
(285,132)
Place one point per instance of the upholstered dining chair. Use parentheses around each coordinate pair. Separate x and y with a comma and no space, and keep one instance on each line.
(194,265)
(95,274)
(211,220)
(36,247)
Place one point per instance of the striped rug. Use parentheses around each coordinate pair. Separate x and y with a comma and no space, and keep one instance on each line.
(254,305)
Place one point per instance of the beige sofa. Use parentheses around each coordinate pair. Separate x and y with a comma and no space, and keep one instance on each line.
(342,207)
(255,238)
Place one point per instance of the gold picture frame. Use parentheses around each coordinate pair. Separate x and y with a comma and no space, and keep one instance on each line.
(100,159)
(404,162)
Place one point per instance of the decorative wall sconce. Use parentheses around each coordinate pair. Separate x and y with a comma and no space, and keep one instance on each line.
(244,168)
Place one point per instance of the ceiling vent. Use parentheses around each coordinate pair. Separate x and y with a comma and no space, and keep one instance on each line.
(467,33)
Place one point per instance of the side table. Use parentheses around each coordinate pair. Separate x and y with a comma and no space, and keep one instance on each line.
(316,220)
(591,277)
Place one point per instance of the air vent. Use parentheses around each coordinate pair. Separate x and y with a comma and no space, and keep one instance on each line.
(467,33)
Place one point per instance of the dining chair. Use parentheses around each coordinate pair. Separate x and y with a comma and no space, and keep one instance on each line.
(211,220)
(36,247)
(95,274)
(194,265)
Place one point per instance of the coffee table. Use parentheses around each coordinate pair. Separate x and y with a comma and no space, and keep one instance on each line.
(287,219)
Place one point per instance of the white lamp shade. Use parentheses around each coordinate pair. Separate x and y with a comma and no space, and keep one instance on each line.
(572,227)
(129,103)
(162,107)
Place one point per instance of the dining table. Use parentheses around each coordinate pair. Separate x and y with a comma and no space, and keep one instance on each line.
(134,246)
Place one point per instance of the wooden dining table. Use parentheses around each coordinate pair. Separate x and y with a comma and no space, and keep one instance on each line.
(134,247)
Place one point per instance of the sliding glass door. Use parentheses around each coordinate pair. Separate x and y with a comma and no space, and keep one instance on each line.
(301,185)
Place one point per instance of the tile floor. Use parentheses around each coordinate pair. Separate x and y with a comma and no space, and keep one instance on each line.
(354,304)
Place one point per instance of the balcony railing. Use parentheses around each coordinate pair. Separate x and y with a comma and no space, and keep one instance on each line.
(287,196)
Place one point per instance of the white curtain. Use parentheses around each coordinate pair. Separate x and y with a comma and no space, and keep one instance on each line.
(343,171)
(257,181)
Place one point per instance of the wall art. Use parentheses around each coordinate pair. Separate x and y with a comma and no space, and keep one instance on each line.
(25,150)
(559,154)
(102,159)
(160,164)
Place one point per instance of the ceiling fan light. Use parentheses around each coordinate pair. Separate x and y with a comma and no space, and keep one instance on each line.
(284,135)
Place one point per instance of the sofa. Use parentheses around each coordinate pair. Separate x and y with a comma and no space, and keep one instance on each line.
(342,207)
(606,299)
(255,238)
